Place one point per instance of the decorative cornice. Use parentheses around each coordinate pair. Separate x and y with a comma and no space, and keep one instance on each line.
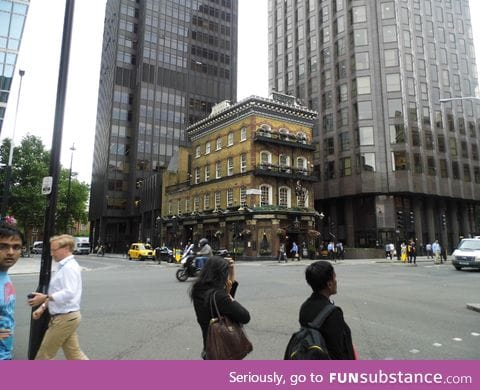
(251,104)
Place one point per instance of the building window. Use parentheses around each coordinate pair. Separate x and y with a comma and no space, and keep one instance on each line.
(329,170)
(455,170)
(415,137)
(265,160)
(218,199)
(197,151)
(283,161)
(443,168)
(284,197)
(207,172)
(393,82)
(207,148)
(218,169)
(328,146)
(230,197)
(388,10)
(474,152)
(344,141)
(364,110)
(431,168)
(197,175)
(389,33)
(345,166)
(243,196)
(453,147)
(196,203)
(266,195)
(302,164)
(360,37)
(365,136)
(391,57)
(243,163)
(417,163)
(363,85)
(395,108)
(366,162)
(397,134)
(230,139)
(476,173)
(243,134)
(218,144)
(400,161)
(206,201)
(230,166)
(466,173)
(359,14)
(441,143)
(362,61)
(428,140)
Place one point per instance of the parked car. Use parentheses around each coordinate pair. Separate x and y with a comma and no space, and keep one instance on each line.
(37,247)
(467,254)
(141,251)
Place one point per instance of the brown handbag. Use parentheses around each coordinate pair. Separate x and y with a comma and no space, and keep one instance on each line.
(226,339)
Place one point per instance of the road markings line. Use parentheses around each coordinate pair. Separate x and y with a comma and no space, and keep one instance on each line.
(475,334)
(437,344)
(457,339)
(414,351)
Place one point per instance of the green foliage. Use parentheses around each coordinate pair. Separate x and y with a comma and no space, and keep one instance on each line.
(30,164)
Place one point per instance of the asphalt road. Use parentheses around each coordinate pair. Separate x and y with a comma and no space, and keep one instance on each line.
(138,310)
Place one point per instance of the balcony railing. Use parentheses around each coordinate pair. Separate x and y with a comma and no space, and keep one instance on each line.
(285,171)
(282,139)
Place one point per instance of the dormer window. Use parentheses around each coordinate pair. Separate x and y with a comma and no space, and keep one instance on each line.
(265,131)
(283,133)
(301,137)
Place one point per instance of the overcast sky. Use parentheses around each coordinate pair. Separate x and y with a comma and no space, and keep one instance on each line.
(39,57)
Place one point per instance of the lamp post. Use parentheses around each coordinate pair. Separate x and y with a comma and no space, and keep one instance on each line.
(67,211)
(38,327)
(8,168)
(158,226)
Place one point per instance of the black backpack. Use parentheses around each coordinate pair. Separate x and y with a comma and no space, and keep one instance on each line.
(308,343)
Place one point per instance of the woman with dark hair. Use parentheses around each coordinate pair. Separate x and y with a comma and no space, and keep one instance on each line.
(217,276)
(321,277)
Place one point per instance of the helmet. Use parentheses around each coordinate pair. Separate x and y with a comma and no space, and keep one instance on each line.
(202,242)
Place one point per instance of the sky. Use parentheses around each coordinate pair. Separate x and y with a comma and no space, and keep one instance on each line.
(40,55)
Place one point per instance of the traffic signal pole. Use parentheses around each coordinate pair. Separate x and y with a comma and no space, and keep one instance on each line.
(38,327)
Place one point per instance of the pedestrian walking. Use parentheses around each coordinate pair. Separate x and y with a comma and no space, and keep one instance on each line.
(321,277)
(437,250)
(282,256)
(428,248)
(63,303)
(11,242)
(218,279)
(294,251)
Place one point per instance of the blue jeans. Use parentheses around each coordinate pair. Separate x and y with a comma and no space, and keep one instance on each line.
(200,261)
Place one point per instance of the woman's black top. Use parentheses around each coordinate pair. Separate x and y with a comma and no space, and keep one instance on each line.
(335,330)
(232,309)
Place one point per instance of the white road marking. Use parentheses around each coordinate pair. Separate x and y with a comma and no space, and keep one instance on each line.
(475,334)
(437,344)
(457,339)
(414,351)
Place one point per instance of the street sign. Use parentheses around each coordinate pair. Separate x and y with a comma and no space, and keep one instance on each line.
(47,183)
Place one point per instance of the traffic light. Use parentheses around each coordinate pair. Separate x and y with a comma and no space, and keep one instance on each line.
(412,218)
(444,219)
(400,220)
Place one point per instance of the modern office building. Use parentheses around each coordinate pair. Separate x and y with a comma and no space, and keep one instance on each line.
(165,63)
(12,20)
(245,181)
(394,161)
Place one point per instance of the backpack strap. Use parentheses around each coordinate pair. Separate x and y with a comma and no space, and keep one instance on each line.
(322,316)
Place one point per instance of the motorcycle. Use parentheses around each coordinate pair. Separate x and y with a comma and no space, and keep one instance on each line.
(188,269)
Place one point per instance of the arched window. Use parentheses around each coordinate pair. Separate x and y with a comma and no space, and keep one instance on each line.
(265,130)
(283,132)
(265,159)
(284,197)
(302,165)
(301,137)
(284,162)
(303,199)
(266,196)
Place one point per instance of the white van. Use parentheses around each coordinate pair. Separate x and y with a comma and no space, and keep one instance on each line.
(82,246)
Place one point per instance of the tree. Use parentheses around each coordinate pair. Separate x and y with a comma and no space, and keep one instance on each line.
(30,165)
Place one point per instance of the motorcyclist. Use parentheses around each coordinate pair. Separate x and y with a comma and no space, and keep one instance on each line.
(204,253)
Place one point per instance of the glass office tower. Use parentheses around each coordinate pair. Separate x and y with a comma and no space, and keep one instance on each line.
(12,19)
(394,162)
(164,64)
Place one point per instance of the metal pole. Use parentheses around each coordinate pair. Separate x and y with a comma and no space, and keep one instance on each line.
(38,327)
(67,211)
(8,168)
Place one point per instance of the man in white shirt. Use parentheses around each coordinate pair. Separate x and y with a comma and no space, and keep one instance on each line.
(63,301)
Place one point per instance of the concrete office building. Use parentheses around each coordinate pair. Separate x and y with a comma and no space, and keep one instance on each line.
(394,162)
(165,63)
(12,20)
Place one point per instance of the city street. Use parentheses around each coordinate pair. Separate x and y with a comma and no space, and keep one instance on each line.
(138,310)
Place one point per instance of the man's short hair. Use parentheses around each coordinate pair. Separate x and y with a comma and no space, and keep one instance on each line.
(318,274)
(64,240)
(7,231)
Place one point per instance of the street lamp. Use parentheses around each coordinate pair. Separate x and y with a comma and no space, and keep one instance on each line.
(67,211)
(158,225)
(8,168)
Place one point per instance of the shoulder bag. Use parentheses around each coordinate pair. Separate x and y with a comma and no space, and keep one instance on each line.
(226,339)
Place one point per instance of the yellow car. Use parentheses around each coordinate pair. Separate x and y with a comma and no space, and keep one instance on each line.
(140,251)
